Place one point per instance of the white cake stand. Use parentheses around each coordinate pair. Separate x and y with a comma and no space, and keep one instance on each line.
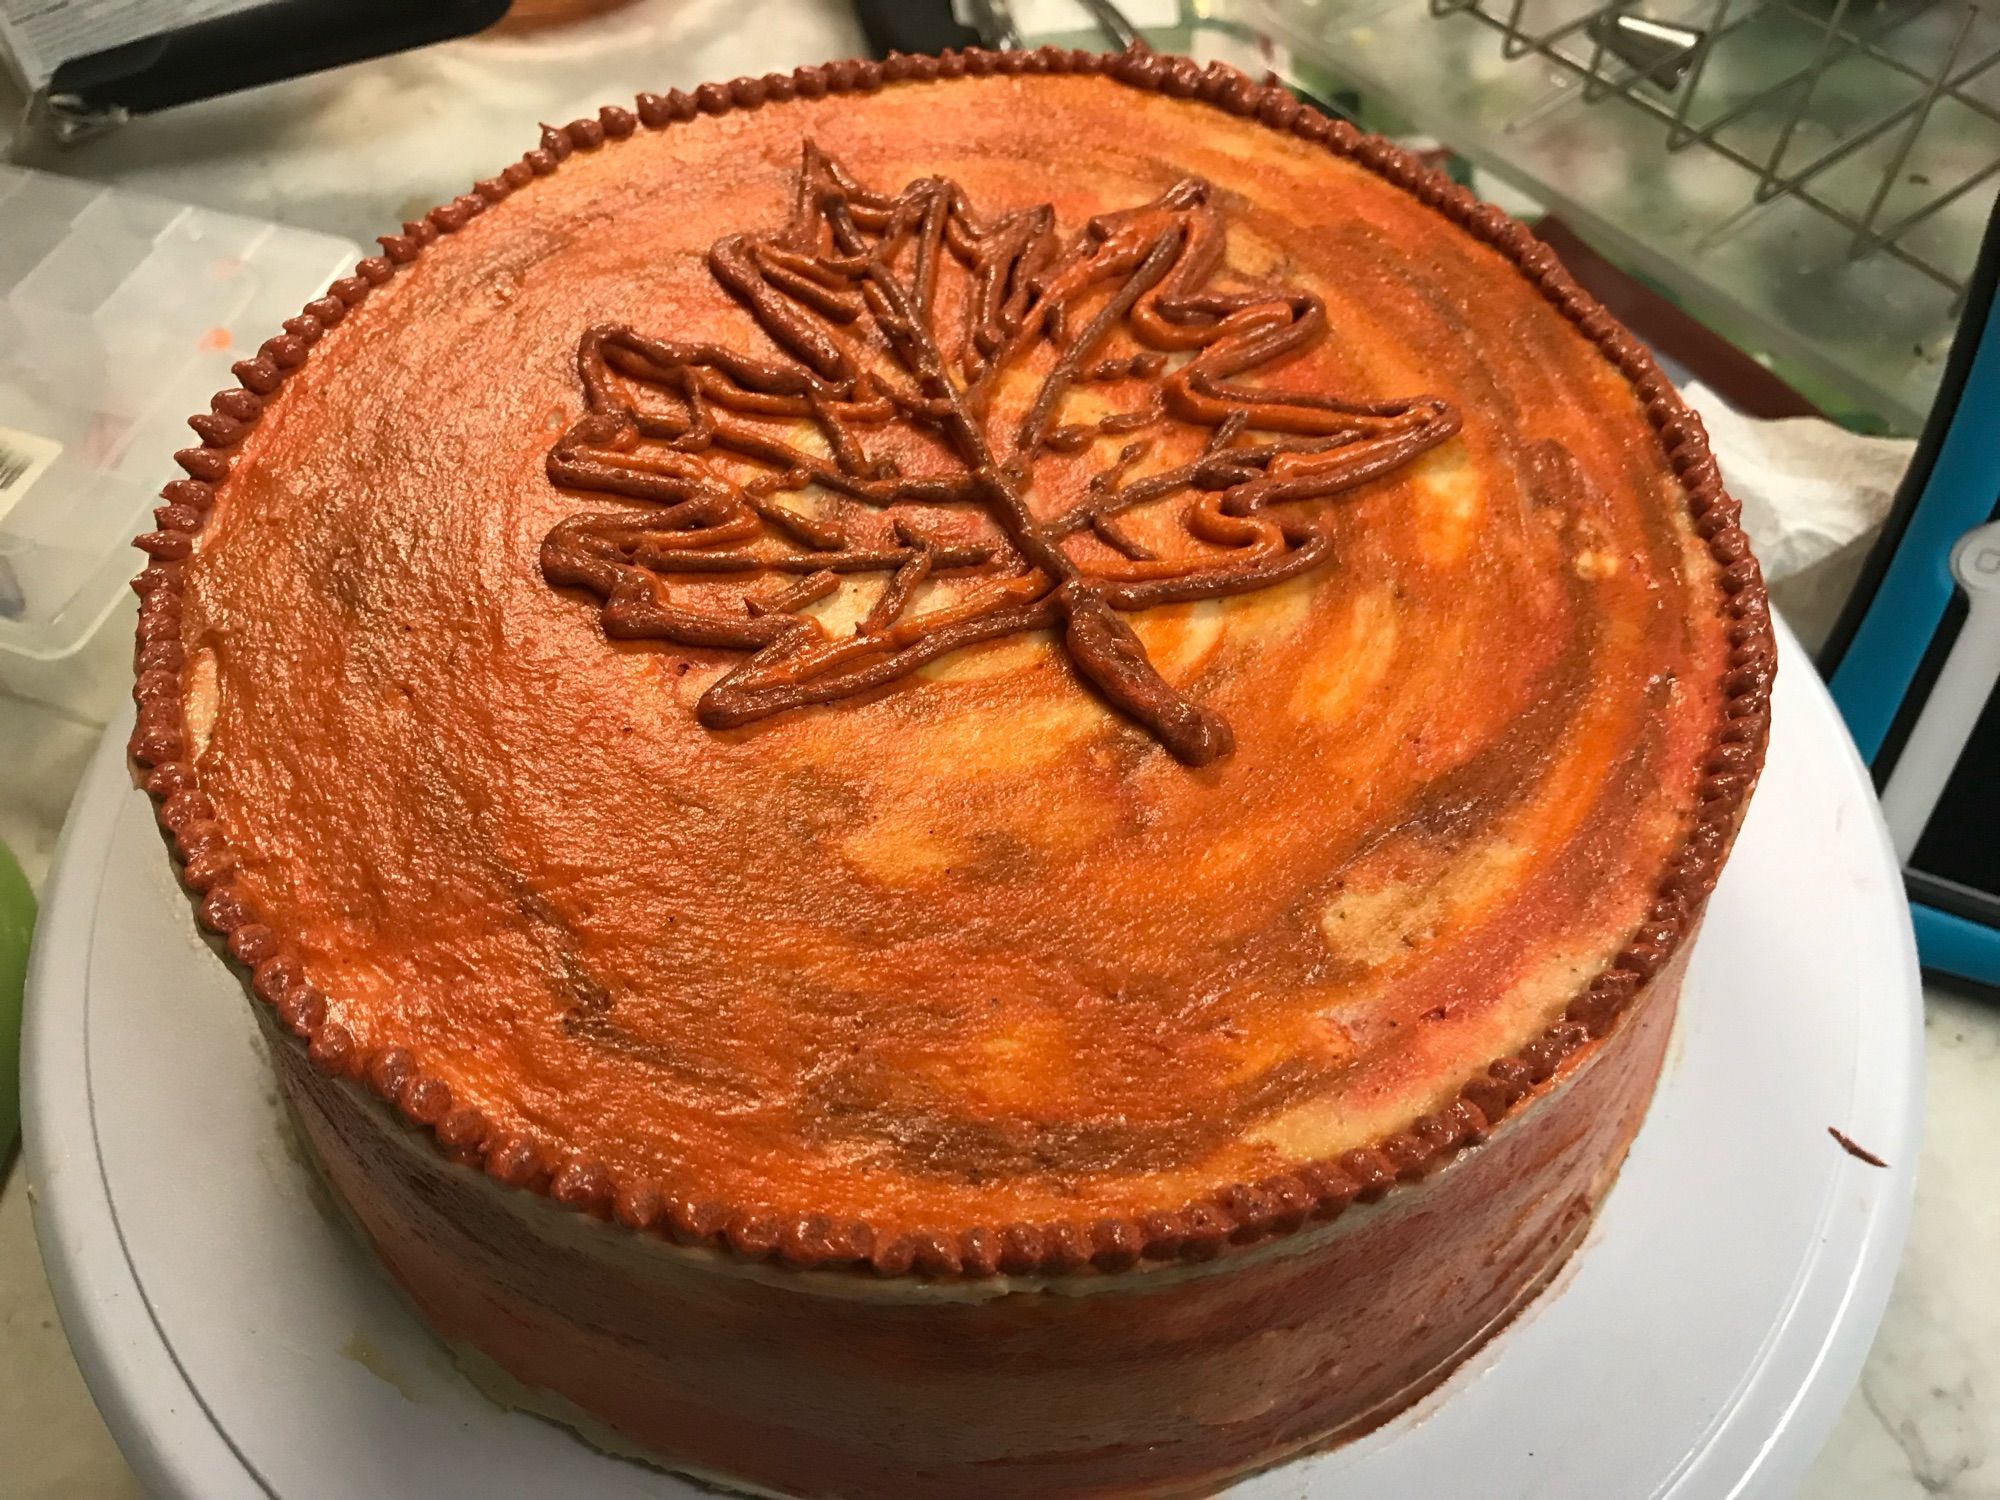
(241,1343)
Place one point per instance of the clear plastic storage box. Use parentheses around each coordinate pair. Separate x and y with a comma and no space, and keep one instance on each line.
(120,315)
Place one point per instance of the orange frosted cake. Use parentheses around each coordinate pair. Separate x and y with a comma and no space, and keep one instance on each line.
(973,776)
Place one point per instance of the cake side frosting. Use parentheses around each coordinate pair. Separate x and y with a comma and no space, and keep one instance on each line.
(1160,1379)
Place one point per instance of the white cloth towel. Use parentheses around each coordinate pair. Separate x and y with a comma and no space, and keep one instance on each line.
(1808,488)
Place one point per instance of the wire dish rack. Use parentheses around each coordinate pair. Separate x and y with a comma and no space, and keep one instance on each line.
(1810,177)
(1884,58)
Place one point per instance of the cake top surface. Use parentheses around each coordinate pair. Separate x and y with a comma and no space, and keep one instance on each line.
(998,651)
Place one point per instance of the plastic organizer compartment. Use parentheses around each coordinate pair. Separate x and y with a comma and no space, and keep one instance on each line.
(120,314)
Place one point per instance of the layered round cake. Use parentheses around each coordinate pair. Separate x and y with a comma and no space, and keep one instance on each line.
(977,776)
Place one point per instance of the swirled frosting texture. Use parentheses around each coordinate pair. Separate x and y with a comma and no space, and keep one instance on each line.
(972,948)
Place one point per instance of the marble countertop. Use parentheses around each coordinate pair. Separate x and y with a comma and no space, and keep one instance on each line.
(355,151)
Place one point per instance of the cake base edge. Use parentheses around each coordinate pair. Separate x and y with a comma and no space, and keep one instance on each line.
(1163,1380)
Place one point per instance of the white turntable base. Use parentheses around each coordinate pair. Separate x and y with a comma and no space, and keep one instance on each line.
(241,1343)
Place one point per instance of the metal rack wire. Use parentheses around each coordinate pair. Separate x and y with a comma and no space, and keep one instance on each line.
(1906,69)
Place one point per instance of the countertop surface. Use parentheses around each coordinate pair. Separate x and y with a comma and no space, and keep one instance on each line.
(354,152)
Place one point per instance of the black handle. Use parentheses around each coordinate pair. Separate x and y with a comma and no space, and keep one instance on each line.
(265,44)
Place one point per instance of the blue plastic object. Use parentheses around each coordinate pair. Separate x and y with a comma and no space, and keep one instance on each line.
(1902,627)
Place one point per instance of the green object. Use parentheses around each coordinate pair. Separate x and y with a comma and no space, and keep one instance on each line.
(17,921)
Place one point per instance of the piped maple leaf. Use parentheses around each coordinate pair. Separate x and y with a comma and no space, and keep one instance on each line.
(935,408)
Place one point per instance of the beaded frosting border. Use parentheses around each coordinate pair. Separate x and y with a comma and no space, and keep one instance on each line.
(1239,1213)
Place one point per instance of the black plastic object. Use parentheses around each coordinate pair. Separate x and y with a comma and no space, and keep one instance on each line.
(267,43)
(911,26)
